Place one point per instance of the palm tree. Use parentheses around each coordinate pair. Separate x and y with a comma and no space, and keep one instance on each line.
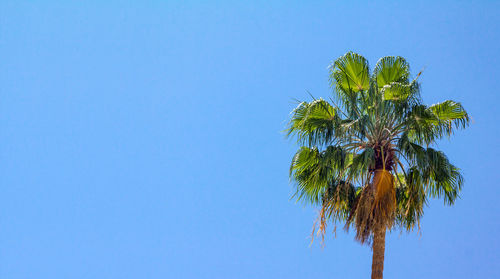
(366,155)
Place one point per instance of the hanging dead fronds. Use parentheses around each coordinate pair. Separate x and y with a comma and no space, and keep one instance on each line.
(374,206)
(385,197)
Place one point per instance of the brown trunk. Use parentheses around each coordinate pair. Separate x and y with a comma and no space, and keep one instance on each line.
(378,252)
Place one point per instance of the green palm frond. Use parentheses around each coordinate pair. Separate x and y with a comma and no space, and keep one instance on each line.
(422,125)
(411,198)
(350,73)
(306,171)
(313,122)
(450,114)
(396,91)
(413,152)
(428,124)
(361,165)
(313,170)
(391,69)
(442,177)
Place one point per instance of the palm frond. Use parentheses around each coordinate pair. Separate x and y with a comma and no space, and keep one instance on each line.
(349,76)
(428,124)
(391,69)
(313,122)
(443,178)
(361,165)
(314,170)
(411,198)
(350,73)
(449,114)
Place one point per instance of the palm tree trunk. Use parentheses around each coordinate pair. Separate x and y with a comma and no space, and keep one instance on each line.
(378,252)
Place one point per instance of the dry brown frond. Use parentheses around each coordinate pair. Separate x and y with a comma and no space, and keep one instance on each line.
(385,197)
(375,206)
(321,219)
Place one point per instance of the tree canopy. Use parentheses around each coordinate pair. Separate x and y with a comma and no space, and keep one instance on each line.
(368,153)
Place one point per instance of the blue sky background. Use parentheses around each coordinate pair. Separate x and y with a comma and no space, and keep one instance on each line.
(143,139)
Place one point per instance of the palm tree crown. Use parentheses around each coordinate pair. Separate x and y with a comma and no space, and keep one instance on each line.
(367,155)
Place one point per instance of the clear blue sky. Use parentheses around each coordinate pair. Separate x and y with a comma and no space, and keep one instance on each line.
(143,140)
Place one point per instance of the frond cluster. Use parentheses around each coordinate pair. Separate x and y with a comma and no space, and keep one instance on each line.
(375,121)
